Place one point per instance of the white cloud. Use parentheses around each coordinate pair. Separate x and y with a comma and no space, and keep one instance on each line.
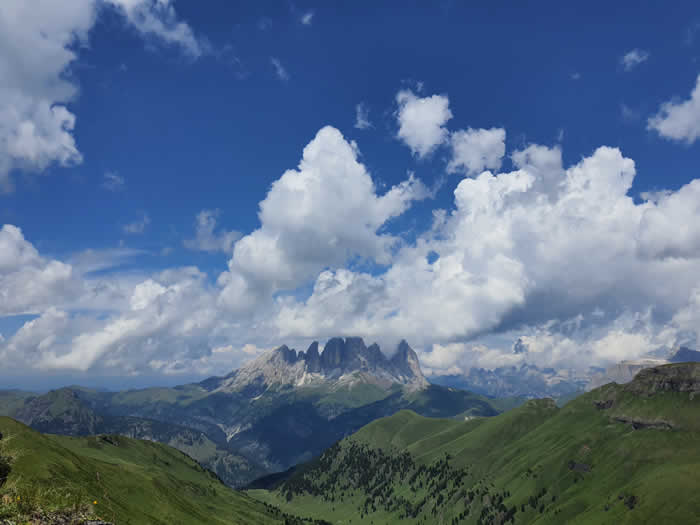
(520,249)
(317,216)
(138,226)
(679,120)
(362,116)
(157,18)
(307,18)
(38,42)
(206,239)
(113,181)
(280,71)
(561,258)
(633,58)
(475,150)
(30,283)
(676,212)
(421,121)
(169,318)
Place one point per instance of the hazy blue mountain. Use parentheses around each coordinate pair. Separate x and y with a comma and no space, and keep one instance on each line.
(527,381)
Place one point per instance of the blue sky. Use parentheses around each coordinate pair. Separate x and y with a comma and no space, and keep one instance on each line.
(184,113)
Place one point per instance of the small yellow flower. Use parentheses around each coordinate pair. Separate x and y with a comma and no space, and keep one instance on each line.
(94,502)
(18,498)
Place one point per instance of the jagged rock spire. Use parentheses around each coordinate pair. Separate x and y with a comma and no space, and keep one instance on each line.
(343,359)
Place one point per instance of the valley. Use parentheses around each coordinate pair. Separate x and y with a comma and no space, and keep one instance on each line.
(277,411)
(618,454)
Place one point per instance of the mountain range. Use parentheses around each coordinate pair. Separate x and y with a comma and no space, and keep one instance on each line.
(530,381)
(280,409)
(622,454)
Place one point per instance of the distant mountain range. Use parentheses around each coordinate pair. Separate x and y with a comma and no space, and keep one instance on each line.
(527,380)
(530,381)
(625,371)
(274,412)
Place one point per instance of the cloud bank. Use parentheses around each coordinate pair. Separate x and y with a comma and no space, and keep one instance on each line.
(558,260)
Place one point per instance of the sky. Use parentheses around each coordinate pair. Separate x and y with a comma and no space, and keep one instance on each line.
(184,185)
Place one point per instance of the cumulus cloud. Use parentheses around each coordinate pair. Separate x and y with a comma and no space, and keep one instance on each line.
(521,249)
(422,121)
(672,211)
(633,58)
(30,283)
(319,215)
(138,226)
(280,71)
(362,116)
(679,120)
(559,258)
(166,323)
(475,150)
(38,42)
(206,239)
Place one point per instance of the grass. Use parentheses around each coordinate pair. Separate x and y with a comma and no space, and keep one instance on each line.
(119,479)
(537,463)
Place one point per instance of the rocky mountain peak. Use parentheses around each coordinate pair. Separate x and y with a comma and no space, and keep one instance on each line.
(285,354)
(342,359)
(405,360)
(312,358)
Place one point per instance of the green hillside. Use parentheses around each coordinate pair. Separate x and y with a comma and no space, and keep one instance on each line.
(619,454)
(66,411)
(238,437)
(119,479)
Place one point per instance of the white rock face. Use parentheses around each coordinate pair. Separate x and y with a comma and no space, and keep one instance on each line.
(343,363)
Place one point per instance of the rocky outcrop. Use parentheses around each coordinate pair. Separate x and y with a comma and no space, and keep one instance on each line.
(342,360)
(623,372)
(677,377)
(638,424)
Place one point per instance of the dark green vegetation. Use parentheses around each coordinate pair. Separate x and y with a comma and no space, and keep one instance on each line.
(237,435)
(118,479)
(618,454)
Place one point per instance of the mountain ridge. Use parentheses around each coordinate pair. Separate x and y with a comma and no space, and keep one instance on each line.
(619,454)
(281,409)
(343,361)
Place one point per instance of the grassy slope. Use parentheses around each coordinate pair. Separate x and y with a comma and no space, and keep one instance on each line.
(520,454)
(132,481)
